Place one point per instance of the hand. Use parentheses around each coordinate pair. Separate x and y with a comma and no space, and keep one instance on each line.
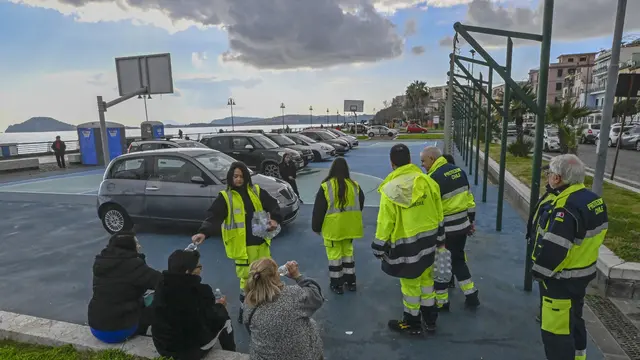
(472,230)
(293,270)
(198,239)
(222,301)
(272,225)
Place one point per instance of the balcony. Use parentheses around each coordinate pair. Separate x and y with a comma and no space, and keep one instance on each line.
(600,70)
(594,88)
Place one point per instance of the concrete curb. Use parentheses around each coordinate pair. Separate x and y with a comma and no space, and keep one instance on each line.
(34,330)
(616,277)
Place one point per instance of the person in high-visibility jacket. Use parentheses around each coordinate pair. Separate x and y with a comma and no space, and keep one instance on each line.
(230,213)
(459,215)
(337,216)
(564,260)
(409,230)
(542,208)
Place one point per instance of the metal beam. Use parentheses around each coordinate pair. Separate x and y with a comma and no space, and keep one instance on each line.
(482,90)
(466,78)
(506,103)
(498,32)
(473,60)
(487,140)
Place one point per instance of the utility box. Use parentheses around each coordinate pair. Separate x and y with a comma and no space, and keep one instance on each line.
(152,130)
(8,150)
(90,141)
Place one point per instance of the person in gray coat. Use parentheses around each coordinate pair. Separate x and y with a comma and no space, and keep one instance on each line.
(278,317)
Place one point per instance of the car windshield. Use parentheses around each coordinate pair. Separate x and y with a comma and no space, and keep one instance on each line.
(336,132)
(191,144)
(281,140)
(511,127)
(218,164)
(324,135)
(595,126)
(266,142)
(306,139)
(552,133)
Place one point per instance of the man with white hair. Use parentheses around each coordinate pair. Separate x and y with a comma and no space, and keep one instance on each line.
(568,238)
(459,210)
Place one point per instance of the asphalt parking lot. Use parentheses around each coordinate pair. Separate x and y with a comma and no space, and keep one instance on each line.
(48,249)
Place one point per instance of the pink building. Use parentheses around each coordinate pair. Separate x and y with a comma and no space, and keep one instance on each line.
(566,68)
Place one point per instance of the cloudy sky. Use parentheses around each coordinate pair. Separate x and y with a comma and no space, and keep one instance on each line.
(58,55)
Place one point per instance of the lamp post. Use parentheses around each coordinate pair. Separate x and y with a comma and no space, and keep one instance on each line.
(338,117)
(145,97)
(311,115)
(327,116)
(282,107)
(231,103)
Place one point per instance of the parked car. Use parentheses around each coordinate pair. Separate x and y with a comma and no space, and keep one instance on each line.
(631,139)
(380,130)
(551,140)
(351,128)
(352,140)
(589,133)
(257,151)
(341,146)
(177,184)
(415,128)
(614,133)
(529,128)
(146,145)
(321,151)
(283,141)
(512,130)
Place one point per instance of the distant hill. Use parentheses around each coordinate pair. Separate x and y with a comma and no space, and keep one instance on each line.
(40,124)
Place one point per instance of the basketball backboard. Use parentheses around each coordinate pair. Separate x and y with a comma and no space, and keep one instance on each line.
(354,105)
(151,71)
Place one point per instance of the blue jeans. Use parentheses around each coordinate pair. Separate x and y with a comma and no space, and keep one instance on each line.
(114,337)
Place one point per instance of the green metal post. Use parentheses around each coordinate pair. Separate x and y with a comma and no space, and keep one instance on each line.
(472,109)
(543,78)
(464,130)
(503,137)
(487,140)
(475,179)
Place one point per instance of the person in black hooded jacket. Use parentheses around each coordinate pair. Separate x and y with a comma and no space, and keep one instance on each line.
(188,319)
(121,277)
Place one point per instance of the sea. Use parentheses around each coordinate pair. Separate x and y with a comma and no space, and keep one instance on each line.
(192,132)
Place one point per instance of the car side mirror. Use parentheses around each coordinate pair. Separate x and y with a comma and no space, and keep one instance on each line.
(198,180)
(248,147)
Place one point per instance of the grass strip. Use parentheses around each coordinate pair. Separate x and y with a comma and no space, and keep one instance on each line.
(11,350)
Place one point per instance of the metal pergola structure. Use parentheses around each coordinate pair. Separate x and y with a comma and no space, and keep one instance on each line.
(464,109)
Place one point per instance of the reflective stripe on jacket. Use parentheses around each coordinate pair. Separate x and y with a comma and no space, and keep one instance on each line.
(458,204)
(234,229)
(341,223)
(410,222)
(570,237)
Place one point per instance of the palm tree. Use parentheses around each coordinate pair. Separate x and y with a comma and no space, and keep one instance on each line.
(518,109)
(417,95)
(564,116)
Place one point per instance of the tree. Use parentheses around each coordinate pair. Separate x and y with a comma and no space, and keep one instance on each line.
(625,108)
(518,109)
(417,96)
(564,116)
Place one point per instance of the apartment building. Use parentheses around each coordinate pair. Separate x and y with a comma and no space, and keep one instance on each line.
(567,67)
(498,91)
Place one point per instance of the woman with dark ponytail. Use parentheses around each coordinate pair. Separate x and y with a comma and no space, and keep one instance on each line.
(337,216)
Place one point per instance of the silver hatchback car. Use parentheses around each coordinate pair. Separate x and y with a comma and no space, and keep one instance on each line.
(174,185)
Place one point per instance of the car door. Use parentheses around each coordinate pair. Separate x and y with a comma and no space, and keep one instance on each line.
(240,152)
(220,143)
(170,194)
(125,184)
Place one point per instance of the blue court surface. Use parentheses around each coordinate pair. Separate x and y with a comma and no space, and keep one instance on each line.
(49,245)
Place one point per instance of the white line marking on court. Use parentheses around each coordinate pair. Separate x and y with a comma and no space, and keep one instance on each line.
(43,192)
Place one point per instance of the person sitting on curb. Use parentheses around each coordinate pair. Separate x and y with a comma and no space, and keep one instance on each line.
(278,317)
(188,320)
(121,277)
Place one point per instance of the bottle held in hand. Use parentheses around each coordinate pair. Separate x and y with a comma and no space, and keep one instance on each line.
(283,271)
(191,247)
(218,294)
(442,267)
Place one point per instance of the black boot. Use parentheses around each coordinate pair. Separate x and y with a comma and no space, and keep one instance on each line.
(351,286)
(471,301)
(410,325)
(452,283)
(429,316)
(338,289)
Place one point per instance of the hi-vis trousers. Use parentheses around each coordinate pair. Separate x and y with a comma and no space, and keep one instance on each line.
(564,334)
(456,245)
(254,252)
(418,297)
(342,266)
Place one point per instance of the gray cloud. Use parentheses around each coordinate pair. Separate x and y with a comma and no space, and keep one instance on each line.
(573,19)
(285,34)
(418,50)
(208,92)
(410,28)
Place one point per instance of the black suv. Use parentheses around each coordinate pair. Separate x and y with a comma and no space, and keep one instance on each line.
(257,151)
(285,142)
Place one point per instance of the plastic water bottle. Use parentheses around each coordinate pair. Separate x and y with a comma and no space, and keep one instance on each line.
(442,268)
(191,247)
(218,294)
(283,271)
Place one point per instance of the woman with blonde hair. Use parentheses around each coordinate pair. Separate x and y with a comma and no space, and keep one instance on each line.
(278,316)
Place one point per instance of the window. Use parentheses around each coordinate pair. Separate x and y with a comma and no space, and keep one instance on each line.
(170,169)
(595,126)
(149,146)
(130,169)
(558,86)
(556,100)
(239,143)
(264,142)
(218,164)
(584,58)
(570,60)
(559,73)
(219,143)
(282,140)
(597,102)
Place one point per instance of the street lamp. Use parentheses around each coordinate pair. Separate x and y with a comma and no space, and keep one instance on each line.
(327,116)
(311,115)
(231,103)
(282,107)
(337,117)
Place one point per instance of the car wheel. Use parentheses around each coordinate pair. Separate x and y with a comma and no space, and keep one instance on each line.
(371,134)
(582,140)
(546,147)
(115,219)
(424,131)
(316,156)
(638,145)
(271,169)
(390,134)
(610,143)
